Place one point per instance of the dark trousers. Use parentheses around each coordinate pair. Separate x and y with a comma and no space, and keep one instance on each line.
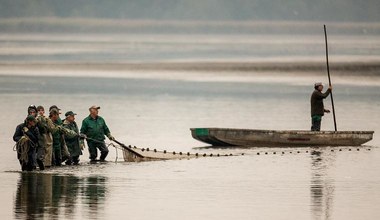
(316,122)
(93,150)
(57,156)
(29,165)
(72,160)
(40,157)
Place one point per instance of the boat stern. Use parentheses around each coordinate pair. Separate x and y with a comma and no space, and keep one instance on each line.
(205,135)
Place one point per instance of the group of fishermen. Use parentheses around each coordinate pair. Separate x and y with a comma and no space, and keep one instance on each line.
(47,141)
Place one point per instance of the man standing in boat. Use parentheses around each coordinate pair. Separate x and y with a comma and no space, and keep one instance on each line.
(317,107)
(95,128)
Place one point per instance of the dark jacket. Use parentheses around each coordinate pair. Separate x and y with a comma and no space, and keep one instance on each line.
(32,133)
(95,128)
(316,102)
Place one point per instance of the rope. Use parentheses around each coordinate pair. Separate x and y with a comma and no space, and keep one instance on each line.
(117,155)
(94,140)
(23,147)
(108,145)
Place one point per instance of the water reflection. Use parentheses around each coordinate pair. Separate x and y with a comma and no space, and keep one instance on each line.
(41,195)
(321,187)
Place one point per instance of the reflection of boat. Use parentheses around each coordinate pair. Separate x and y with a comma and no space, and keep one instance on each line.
(246,137)
(322,184)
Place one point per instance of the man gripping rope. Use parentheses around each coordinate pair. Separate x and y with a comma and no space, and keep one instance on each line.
(95,128)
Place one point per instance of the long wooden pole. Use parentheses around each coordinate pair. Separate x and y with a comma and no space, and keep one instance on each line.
(328,73)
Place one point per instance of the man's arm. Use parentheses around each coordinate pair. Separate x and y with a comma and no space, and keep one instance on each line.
(32,134)
(324,95)
(18,133)
(51,126)
(327,93)
(107,131)
(84,128)
(68,132)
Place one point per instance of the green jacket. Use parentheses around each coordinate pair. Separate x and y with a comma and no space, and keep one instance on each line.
(59,133)
(73,142)
(95,128)
(316,102)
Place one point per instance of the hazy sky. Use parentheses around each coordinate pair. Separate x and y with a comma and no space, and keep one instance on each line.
(309,10)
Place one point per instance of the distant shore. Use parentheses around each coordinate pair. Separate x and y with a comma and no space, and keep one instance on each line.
(368,68)
(118,26)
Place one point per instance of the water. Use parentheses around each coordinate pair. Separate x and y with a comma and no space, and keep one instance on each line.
(156,109)
(130,47)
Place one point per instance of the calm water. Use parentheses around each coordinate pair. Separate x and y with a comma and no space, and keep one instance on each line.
(110,47)
(158,113)
(156,110)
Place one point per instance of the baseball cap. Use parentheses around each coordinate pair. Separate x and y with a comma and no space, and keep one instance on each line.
(54,111)
(54,106)
(30,118)
(94,107)
(70,113)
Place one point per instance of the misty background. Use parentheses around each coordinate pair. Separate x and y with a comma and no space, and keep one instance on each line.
(248,31)
(295,10)
(160,67)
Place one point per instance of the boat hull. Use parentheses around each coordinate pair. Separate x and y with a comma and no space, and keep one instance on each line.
(247,137)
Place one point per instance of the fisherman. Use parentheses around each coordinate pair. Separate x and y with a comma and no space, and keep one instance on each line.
(60,151)
(26,136)
(74,144)
(59,120)
(45,140)
(32,110)
(95,128)
(317,107)
(57,136)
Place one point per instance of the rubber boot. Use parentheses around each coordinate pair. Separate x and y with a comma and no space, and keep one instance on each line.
(41,164)
(103,156)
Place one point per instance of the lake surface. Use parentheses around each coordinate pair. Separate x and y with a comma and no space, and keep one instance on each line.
(156,109)
(158,113)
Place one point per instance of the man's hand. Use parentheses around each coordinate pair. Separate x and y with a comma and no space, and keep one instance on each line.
(82,146)
(83,136)
(326,110)
(111,137)
(25,129)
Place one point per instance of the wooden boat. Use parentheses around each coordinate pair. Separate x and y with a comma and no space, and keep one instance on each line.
(268,138)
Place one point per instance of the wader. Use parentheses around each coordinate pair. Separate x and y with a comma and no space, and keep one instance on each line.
(46,142)
(316,122)
(92,149)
